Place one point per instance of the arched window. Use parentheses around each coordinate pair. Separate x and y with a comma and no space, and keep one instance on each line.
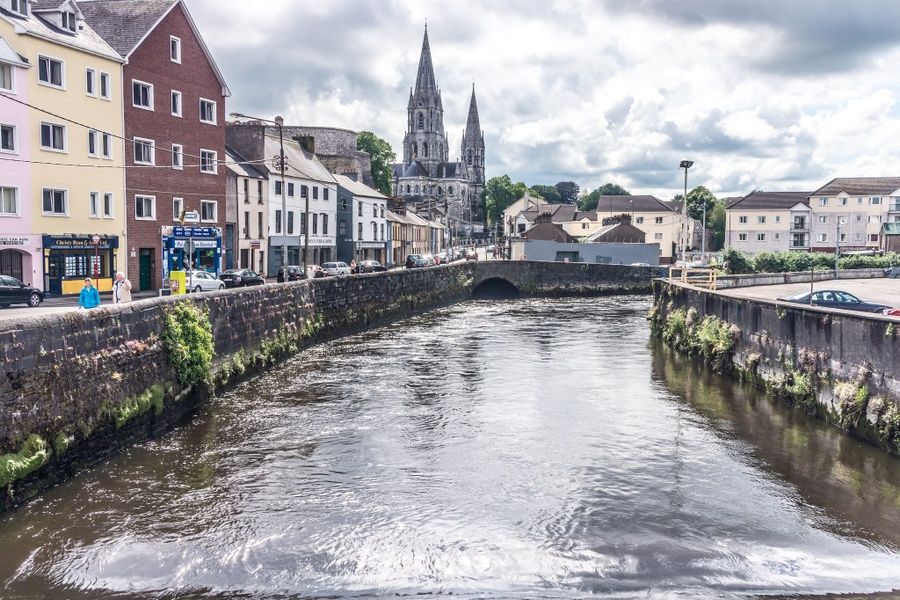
(407,188)
(417,188)
(468,157)
(421,122)
(450,190)
(425,150)
(440,191)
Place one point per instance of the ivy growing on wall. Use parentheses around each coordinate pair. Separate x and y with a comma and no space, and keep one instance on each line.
(187,338)
(33,455)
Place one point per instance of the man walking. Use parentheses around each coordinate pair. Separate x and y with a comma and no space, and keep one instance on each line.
(121,289)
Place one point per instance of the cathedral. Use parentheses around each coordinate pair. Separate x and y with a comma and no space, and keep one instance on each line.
(428,179)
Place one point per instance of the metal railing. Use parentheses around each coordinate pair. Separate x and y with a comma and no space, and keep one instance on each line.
(702,278)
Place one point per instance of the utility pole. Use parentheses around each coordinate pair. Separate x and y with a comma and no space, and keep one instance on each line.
(837,245)
(685,164)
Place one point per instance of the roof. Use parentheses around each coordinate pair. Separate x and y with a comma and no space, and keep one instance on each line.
(448,170)
(560,213)
(551,232)
(619,232)
(891,229)
(414,219)
(86,39)
(239,165)
(859,186)
(358,188)
(628,204)
(300,163)
(730,200)
(124,24)
(10,56)
(415,169)
(771,200)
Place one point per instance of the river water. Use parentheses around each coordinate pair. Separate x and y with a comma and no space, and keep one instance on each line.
(528,449)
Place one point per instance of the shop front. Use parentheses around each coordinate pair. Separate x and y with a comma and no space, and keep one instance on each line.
(321,249)
(68,259)
(370,251)
(20,258)
(191,248)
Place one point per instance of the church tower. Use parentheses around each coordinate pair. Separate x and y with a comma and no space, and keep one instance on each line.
(425,140)
(473,157)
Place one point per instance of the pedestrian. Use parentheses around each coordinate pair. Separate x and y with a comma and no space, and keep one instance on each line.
(89,297)
(121,289)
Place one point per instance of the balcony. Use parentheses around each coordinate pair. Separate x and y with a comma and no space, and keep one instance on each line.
(799,225)
(894,206)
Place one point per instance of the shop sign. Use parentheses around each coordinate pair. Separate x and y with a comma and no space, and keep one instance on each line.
(377,245)
(196,232)
(85,242)
(197,244)
(255,245)
(13,241)
(319,241)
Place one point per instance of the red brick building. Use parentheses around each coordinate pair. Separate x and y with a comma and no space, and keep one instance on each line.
(175,123)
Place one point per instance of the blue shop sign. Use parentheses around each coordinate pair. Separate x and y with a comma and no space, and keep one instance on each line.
(195,232)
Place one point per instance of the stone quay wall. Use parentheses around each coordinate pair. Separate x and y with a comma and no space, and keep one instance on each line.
(80,386)
(837,365)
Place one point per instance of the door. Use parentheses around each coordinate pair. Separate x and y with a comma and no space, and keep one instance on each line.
(11,263)
(145,269)
(56,267)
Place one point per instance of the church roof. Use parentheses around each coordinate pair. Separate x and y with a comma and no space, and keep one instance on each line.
(473,123)
(448,170)
(425,82)
(415,169)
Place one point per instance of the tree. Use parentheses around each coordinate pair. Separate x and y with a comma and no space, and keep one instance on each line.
(568,191)
(499,193)
(715,220)
(382,156)
(589,201)
(547,192)
(697,198)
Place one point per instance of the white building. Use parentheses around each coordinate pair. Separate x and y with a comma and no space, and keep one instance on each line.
(362,228)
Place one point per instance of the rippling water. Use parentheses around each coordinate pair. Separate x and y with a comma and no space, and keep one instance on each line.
(531,449)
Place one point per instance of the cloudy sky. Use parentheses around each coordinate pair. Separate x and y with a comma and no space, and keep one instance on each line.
(761,94)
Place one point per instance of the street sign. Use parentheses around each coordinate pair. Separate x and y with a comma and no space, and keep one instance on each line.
(190,216)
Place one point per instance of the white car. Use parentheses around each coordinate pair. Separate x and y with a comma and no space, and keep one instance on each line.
(336,268)
(201,281)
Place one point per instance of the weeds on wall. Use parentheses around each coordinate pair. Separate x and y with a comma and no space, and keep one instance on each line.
(188,341)
(33,455)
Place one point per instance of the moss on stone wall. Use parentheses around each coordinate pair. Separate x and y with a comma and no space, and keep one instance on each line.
(188,341)
(33,455)
(710,338)
(138,405)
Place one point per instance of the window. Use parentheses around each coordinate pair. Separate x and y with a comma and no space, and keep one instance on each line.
(374,231)
(658,220)
(823,219)
(144,152)
(777,236)
(873,237)
(175,49)
(6,78)
(208,161)
(315,192)
(742,220)
(822,237)
(107,205)
(382,211)
(208,111)
(375,210)
(325,222)
(50,71)
(246,191)
(858,218)
(177,208)
(304,191)
(421,121)
(760,237)
(342,228)
(823,201)
(290,222)
(277,221)
(777,219)
(639,220)
(104,86)
(245,232)
(7,138)
(177,156)
(859,200)
(20,6)
(176,103)
(874,218)
(69,21)
(303,223)
(145,208)
(90,82)
(382,232)
(360,208)
(315,223)
(55,202)
(259,192)
(94,204)
(659,236)
(843,237)
(9,201)
(761,220)
(106,146)
(277,188)
(742,237)
(92,143)
(53,137)
(875,200)
(843,201)
(209,211)
(324,193)
(141,94)
(360,232)
(290,187)
(259,225)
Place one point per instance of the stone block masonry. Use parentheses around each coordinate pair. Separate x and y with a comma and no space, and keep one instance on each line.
(80,386)
(840,366)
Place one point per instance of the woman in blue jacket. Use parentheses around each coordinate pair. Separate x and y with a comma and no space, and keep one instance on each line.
(89,297)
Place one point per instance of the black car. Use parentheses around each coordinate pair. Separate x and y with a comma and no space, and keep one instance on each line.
(415,260)
(294,273)
(13,291)
(369,266)
(241,278)
(836,299)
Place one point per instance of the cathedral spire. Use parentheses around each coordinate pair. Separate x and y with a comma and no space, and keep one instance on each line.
(425,78)
(473,123)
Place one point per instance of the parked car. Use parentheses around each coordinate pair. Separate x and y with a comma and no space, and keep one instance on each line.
(294,273)
(471,254)
(491,248)
(201,281)
(414,260)
(837,299)
(429,260)
(314,271)
(241,278)
(370,266)
(442,258)
(333,269)
(13,291)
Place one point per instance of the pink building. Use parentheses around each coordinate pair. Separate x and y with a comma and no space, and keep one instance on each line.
(20,247)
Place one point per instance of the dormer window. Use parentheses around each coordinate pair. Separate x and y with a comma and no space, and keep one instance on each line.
(69,21)
(20,7)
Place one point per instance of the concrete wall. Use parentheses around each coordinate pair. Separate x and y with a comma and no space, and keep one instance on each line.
(65,374)
(736,281)
(841,366)
(608,253)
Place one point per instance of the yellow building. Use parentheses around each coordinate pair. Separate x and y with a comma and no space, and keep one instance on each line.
(659,220)
(77,203)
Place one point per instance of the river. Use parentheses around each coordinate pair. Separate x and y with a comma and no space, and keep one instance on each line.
(527,449)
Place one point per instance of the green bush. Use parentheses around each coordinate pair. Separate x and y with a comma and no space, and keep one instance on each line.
(736,262)
(187,338)
(33,455)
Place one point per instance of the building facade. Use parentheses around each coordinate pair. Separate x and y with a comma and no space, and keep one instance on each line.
(175,118)
(62,215)
(248,193)
(659,220)
(850,211)
(429,175)
(768,222)
(361,222)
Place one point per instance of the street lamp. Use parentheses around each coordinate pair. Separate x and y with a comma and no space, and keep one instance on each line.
(685,164)
(96,240)
(279,122)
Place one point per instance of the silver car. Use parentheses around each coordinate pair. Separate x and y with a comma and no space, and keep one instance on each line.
(336,269)
(201,281)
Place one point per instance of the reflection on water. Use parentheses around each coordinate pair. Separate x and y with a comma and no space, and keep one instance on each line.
(543,448)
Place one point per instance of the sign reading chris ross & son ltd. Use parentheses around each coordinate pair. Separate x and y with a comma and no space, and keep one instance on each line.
(80,242)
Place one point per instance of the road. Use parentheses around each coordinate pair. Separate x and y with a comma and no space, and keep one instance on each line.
(57,305)
(883,291)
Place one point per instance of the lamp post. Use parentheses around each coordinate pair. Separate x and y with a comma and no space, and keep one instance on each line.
(96,240)
(279,122)
(685,164)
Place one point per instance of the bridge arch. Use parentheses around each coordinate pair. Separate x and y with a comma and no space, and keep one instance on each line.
(496,288)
